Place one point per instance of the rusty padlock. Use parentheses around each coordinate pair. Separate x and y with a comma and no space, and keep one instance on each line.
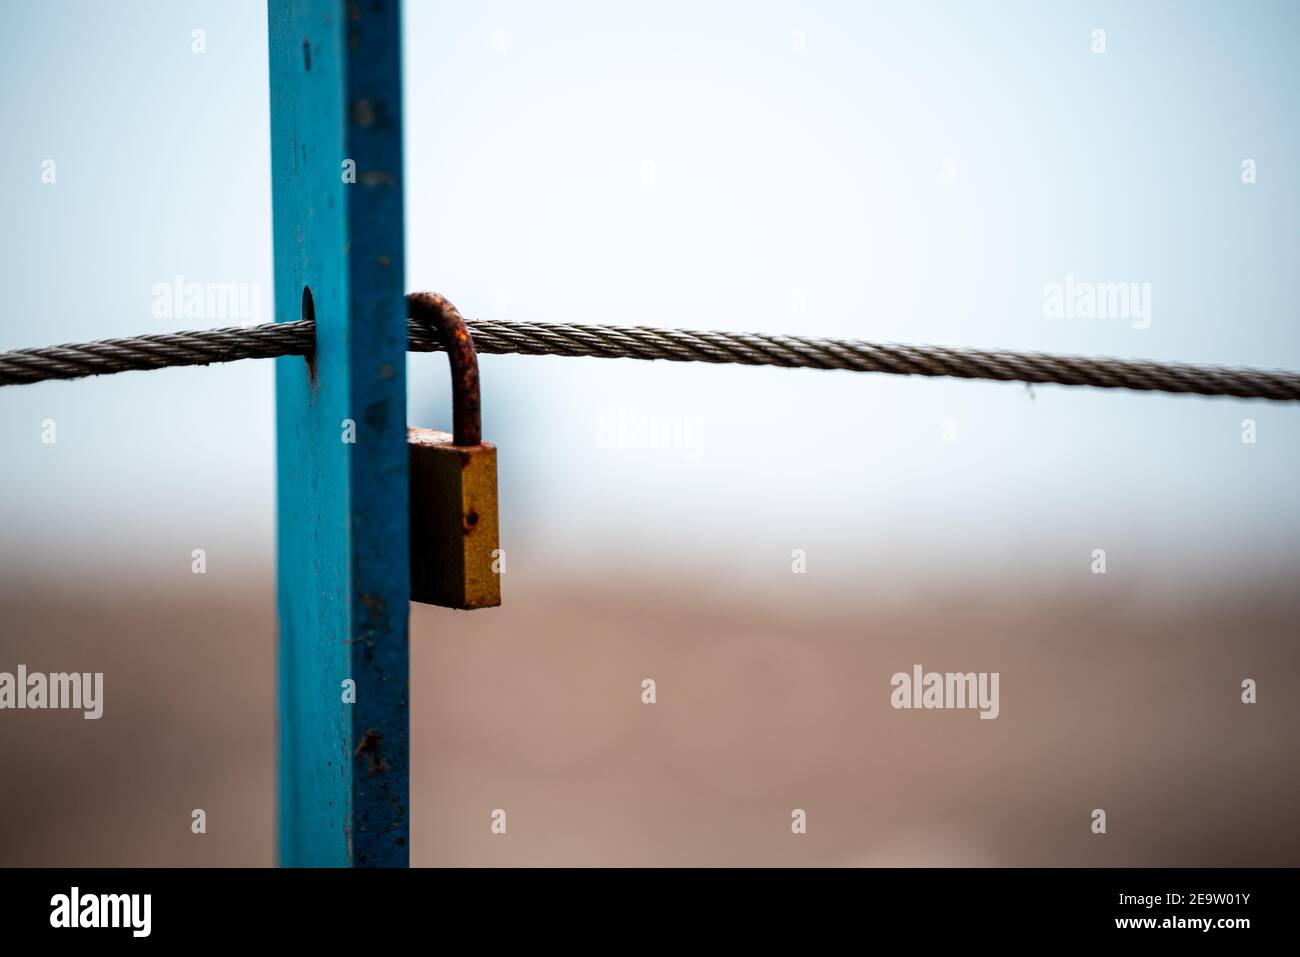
(454,530)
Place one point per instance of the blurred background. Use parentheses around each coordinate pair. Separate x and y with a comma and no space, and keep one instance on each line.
(915,173)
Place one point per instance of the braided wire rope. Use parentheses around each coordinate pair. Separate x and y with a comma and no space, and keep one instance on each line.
(202,347)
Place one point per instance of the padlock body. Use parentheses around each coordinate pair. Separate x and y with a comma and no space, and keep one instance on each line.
(454,528)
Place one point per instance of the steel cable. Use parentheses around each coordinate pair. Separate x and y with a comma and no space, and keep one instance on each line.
(206,346)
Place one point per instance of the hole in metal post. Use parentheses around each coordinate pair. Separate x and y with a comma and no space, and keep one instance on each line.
(309,314)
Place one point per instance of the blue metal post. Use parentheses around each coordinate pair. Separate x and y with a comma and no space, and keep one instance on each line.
(336,152)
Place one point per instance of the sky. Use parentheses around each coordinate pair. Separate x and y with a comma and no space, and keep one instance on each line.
(916,172)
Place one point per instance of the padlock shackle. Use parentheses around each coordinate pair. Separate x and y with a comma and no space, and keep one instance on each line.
(431,309)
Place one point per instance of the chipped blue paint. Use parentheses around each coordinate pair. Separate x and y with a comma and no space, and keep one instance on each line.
(342,522)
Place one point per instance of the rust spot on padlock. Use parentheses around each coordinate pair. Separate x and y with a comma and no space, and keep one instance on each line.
(454,533)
